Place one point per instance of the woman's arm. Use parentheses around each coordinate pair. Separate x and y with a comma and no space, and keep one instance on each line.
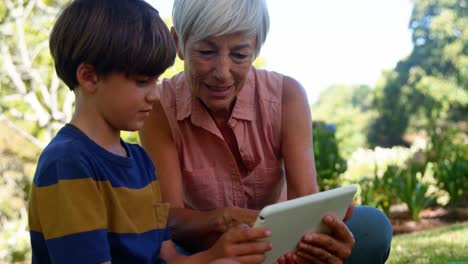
(186,224)
(156,138)
(297,151)
(296,140)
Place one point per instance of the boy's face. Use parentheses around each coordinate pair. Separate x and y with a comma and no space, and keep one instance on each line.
(124,102)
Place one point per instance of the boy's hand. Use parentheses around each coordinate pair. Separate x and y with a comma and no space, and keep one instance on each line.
(241,243)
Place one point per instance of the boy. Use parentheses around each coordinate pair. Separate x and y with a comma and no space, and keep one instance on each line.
(95,198)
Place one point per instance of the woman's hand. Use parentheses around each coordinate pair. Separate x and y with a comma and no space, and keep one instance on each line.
(242,243)
(228,217)
(349,212)
(288,258)
(324,248)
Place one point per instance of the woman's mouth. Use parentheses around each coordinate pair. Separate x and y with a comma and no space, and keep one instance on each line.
(219,91)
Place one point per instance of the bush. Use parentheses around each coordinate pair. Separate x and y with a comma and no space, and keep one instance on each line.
(389,176)
(368,163)
(378,191)
(328,162)
(448,151)
(411,189)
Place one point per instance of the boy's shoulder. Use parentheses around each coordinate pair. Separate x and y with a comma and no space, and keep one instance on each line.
(67,144)
(66,155)
(73,155)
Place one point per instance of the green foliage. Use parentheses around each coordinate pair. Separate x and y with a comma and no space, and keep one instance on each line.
(368,163)
(448,151)
(378,191)
(16,170)
(348,107)
(390,176)
(440,245)
(412,191)
(387,128)
(328,161)
(430,86)
(31,96)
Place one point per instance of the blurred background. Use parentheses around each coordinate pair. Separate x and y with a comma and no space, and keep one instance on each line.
(387,82)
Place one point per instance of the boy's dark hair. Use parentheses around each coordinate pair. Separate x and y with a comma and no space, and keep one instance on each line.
(125,36)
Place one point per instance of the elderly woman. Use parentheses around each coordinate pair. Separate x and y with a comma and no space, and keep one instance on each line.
(228,139)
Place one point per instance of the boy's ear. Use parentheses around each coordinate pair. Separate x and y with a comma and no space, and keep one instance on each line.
(87,77)
(175,37)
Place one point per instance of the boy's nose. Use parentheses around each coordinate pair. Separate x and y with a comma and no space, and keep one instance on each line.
(152,94)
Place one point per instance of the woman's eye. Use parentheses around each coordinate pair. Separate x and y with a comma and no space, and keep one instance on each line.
(206,52)
(240,56)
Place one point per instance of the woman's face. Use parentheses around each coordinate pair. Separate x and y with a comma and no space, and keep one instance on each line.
(216,69)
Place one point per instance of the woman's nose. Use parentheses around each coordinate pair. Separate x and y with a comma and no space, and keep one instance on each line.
(222,68)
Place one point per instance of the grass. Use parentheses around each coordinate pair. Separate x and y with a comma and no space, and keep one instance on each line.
(440,245)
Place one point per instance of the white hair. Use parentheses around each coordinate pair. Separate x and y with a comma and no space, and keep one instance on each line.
(199,19)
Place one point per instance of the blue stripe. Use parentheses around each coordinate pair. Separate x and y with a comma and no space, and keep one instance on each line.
(74,156)
(86,247)
(93,247)
(144,247)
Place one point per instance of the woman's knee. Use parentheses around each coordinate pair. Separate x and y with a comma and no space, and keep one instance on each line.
(372,232)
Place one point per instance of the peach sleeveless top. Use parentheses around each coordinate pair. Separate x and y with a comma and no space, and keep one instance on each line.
(210,175)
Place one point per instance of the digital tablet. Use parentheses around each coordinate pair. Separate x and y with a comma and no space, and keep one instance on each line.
(288,221)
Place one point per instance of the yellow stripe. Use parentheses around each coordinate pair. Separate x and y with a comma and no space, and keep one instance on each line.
(68,207)
(80,205)
(161,209)
(33,217)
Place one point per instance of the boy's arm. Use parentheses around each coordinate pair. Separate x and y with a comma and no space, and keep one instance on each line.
(67,215)
(239,244)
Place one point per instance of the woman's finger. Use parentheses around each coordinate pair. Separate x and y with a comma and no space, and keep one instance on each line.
(339,229)
(349,212)
(316,244)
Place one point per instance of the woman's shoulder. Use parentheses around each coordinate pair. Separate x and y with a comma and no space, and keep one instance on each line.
(172,83)
(267,84)
(169,89)
(273,84)
(268,76)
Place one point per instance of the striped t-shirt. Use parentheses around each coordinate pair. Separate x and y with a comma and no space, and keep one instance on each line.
(88,205)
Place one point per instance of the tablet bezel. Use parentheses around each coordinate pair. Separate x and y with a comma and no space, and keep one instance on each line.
(288,221)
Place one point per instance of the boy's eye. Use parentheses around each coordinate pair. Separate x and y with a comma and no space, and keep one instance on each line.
(143,80)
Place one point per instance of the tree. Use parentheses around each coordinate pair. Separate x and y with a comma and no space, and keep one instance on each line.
(348,108)
(34,102)
(430,86)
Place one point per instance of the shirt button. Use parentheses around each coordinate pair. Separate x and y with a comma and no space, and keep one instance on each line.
(241,205)
(237,184)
